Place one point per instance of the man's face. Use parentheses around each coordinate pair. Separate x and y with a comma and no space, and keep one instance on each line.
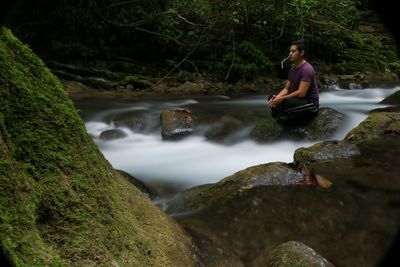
(294,54)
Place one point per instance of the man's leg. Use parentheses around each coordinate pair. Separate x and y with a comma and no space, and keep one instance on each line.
(296,109)
(291,102)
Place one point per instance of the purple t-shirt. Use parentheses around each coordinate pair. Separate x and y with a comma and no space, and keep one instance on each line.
(304,73)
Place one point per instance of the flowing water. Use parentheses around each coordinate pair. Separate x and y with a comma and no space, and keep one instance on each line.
(196,160)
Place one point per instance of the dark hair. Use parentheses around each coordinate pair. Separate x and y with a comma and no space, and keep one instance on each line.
(299,44)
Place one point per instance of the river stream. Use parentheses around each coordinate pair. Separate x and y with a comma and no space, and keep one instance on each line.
(196,160)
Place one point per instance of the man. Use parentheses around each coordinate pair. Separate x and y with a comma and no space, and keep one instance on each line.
(299,99)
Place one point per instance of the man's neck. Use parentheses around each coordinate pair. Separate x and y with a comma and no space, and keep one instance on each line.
(299,63)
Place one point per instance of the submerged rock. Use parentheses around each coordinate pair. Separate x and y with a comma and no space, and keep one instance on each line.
(112,134)
(224,129)
(321,127)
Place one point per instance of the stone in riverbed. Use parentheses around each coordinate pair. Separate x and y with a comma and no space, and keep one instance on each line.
(112,134)
(321,127)
(176,123)
(376,125)
(326,150)
(393,99)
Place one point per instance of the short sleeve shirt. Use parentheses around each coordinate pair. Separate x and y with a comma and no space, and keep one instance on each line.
(304,73)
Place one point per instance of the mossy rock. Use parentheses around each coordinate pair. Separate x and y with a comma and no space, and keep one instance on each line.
(326,150)
(61,202)
(393,99)
(373,127)
(321,127)
(252,211)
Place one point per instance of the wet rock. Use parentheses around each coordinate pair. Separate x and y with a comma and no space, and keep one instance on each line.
(254,210)
(375,169)
(353,86)
(270,174)
(373,127)
(326,150)
(176,123)
(321,127)
(225,127)
(135,123)
(112,134)
(393,99)
(296,254)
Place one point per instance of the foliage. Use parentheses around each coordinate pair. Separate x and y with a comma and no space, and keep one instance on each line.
(171,30)
(395,66)
(244,61)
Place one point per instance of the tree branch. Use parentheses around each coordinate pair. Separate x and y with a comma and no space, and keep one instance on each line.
(234,55)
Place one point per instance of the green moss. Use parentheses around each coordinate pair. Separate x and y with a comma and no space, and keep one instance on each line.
(372,127)
(61,202)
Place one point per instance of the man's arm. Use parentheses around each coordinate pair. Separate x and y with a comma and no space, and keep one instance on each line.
(299,93)
(302,91)
(285,89)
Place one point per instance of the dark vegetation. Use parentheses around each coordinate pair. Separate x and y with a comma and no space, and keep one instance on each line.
(229,38)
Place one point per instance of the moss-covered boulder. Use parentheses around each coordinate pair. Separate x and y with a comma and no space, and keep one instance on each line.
(251,212)
(61,202)
(374,126)
(326,150)
(321,127)
(393,99)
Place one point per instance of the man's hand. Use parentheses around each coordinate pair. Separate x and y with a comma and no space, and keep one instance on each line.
(275,100)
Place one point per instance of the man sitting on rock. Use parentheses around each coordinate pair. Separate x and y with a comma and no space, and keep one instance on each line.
(299,99)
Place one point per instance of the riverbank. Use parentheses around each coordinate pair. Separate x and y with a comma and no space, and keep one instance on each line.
(147,86)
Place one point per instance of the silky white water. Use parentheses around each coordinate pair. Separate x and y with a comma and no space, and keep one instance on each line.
(195,160)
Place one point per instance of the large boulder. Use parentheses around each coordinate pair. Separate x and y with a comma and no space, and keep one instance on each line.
(393,99)
(326,150)
(61,202)
(321,127)
(374,126)
(251,212)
